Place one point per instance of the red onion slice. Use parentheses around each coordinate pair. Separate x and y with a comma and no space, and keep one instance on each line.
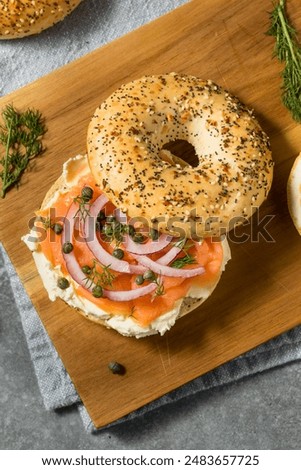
(167,270)
(152,246)
(169,256)
(78,276)
(71,262)
(147,248)
(126,295)
(105,258)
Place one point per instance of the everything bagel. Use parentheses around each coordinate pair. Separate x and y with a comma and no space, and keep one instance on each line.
(19,18)
(126,137)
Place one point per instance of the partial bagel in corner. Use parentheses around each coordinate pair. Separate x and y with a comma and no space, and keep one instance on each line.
(294,193)
(20,18)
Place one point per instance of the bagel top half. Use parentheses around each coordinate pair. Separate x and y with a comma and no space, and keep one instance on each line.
(19,18)
(125,144)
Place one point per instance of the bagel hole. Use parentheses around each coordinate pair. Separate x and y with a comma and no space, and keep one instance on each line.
(183,152)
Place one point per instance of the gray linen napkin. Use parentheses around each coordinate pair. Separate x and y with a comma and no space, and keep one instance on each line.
(58,391)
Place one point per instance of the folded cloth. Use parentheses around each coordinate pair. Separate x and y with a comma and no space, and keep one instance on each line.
(58,391)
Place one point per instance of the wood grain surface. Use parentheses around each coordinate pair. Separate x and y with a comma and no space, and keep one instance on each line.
(259,295)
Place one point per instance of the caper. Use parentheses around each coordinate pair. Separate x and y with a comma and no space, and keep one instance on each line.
(67,247)
(139,280)
(97,291)
(86,269)
(138,238)
(149,275)
(154,234)
(63,283)
(101,216)
(118,253)
(57,228)
(116,368)
(87,193)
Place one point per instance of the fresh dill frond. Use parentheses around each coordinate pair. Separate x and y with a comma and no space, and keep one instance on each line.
(160,290)
(288,50)
(46,222)
(83,210)
(106,277)
(114,231)
(160,287)
(184,244)
(181,262)
(20,135)
(101,278)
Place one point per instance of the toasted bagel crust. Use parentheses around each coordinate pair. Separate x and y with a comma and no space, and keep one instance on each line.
(19,18)
(125,140)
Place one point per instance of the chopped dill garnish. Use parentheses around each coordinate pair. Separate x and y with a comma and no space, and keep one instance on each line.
(83,210)
(160,290)
(187,259)
(160,287)
(181,262)
(94,276)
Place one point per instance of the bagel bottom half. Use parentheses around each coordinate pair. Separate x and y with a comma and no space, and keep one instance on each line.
(75,170)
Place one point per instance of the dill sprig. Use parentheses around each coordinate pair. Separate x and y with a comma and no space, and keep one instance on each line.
(160,290)
(188,258)
(83,210)
(46,222)
(20,135)
(181,262)
(287,49)
(94,276)
(114,231)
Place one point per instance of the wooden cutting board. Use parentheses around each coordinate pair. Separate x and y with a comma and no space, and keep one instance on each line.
(259,295)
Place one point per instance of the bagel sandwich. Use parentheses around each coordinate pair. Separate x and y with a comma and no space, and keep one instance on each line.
(123,235)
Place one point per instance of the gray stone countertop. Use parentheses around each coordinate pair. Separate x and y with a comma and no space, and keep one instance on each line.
(259,412)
